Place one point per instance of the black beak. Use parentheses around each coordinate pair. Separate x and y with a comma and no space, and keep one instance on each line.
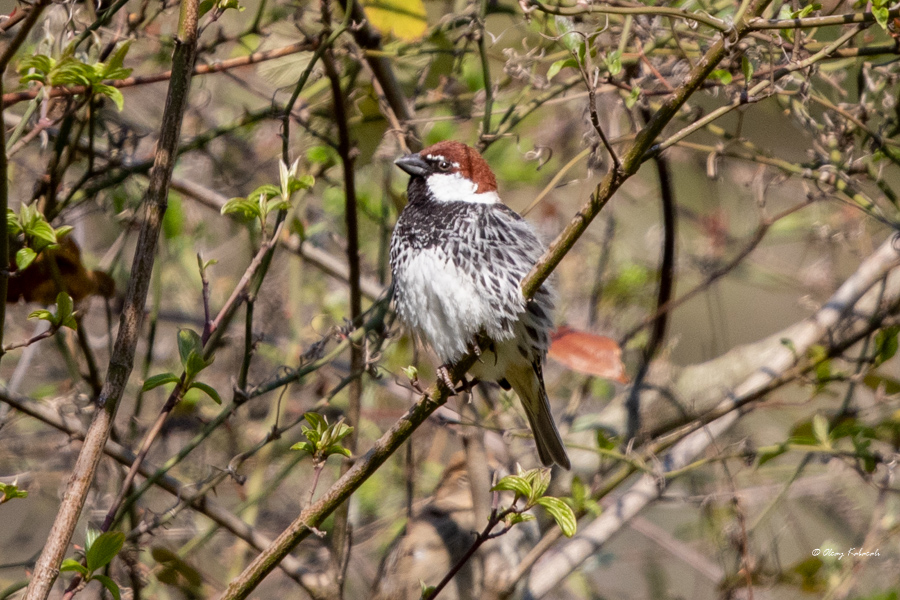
(413,164)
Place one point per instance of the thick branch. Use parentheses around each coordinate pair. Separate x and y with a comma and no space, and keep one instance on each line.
(47,568)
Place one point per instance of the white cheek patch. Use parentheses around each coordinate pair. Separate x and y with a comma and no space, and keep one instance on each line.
(453,187)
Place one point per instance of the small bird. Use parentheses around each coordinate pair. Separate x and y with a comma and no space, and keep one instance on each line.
(458,255)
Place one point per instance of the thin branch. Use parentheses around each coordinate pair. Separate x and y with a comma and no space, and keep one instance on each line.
(754,241)
(595,118)
(483,536)
(341,535)
(323,45)
(811,22)
(178,392)
(664,291)
(663,11)
(370,41)
(485,71)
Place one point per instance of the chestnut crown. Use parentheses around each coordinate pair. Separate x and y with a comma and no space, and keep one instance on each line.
(451,158)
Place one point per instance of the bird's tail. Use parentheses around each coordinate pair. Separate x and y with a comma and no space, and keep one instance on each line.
(528,383)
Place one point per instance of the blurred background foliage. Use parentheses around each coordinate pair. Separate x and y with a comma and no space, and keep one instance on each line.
(778,200)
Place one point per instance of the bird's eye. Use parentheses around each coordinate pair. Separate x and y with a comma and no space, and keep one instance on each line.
(444,165)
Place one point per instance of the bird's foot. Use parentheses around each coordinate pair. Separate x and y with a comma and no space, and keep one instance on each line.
(443,374)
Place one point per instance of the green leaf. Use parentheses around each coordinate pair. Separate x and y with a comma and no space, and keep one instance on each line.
(65,307)
(24,257)
(91,536)
(70,71)
(246,208)
(65,311)
(10,491)
(208,390)
(336,449)
(513,483)
(556,67)
(633,97)
(41,231)
(426,590)
(304,447)
(820,430)
(13,223)
(158,380)
(104,549)
(44,315)
(39,62)
(515,518)
(117,60)
(320,154)
(206,6)
(317,421)
(112,93)
(886,344)
(70,564)
(196,364)
(805,11)
(604,441)
(747,69)
(561,513)
(723,75)
(539,481)
(189,342)
(63,231)
(765,457)
(264,191)
(613,62)
(881,14)
(565,27)
(305,182)
(110,585)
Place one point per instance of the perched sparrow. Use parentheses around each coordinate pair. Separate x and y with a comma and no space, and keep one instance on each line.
(458,255)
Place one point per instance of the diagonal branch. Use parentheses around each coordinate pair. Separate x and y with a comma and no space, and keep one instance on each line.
(313,516)
(633,158)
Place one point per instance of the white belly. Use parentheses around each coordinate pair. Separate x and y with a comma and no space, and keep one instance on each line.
(442,303)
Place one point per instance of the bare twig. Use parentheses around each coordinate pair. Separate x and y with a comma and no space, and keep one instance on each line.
(664,290)
(341,536)
(497,517)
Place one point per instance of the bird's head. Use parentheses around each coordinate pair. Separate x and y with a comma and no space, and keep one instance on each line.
(452,172)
